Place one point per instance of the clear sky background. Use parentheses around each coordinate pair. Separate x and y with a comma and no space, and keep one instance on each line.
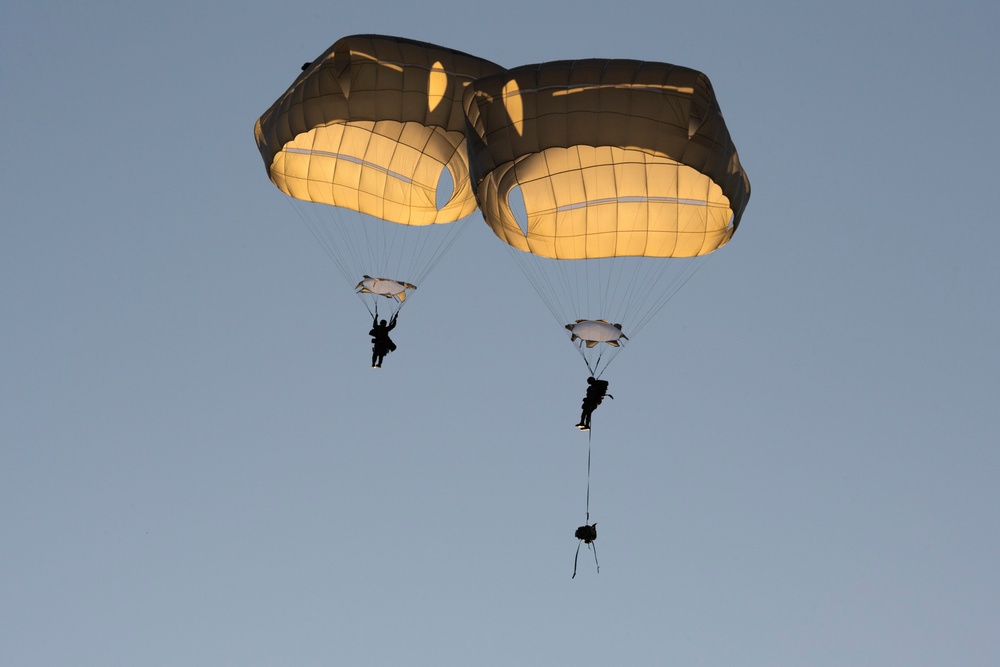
(198,466)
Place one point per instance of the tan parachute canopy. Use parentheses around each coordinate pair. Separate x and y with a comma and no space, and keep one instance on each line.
(613,158)
(370,125)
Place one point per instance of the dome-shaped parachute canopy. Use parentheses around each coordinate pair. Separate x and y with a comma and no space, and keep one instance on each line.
(613,157)
(375,125)
(615,163)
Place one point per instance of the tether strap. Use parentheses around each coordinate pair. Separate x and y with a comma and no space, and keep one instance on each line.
(592,544)
(589,439)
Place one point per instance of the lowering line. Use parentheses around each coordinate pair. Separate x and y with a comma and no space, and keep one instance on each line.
(589,440)
(587,534)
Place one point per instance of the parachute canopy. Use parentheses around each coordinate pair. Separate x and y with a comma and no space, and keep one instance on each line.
(371,137)
(606,179)
(613,158)
(370,126)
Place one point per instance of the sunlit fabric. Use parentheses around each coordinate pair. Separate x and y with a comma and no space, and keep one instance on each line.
(613,158)
(369,144)
(370,125)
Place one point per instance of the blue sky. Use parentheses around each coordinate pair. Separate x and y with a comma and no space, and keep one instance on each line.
(198,466)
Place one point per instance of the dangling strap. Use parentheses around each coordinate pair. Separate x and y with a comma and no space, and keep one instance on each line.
(577,556)
(589,439)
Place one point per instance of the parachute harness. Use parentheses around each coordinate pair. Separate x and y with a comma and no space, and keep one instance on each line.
(587,533)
